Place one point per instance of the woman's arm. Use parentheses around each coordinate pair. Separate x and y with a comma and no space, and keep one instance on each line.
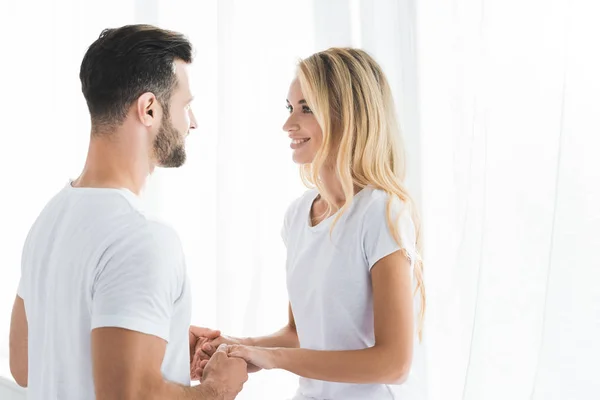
(286,337)
(388,361)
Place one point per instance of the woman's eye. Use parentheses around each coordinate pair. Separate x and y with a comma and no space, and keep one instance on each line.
(289,108)
(306,109)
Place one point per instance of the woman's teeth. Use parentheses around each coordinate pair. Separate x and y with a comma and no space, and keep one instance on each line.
(300,141)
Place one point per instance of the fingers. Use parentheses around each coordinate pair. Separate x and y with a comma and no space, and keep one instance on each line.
(204,332)
(195,340)
(192,341)
(195,363)
(238,351)
(205,348)
(200,370)
(241,367)
(194,375)
(197,368)
(199,355)
(234,349)
(208,349)
(222,349)
(201,352)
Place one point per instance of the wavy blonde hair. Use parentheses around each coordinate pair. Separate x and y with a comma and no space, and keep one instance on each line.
(352,102)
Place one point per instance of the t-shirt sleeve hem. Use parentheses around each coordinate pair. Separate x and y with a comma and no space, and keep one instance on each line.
(386,252)
(132,324)
(21,289)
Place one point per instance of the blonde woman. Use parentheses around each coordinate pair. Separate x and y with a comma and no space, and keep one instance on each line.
(354,271)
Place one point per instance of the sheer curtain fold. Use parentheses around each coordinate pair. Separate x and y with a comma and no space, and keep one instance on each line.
(508,192)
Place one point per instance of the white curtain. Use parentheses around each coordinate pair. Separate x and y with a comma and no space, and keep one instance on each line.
(497,101)
(510,134)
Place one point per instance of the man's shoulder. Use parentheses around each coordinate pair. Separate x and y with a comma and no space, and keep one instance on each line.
(145,247)
(144,233)
(162,232)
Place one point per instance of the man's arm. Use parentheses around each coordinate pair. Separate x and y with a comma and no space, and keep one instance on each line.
(18,342)
(133,296)
(127,365)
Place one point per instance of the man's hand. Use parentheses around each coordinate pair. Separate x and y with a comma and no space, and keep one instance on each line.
(224,375)
(199,336)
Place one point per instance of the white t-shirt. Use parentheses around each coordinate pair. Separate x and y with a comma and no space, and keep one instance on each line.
(329,286)
(92,259)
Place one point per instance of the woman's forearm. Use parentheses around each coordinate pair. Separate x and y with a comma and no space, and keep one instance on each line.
(372,365)
(286,337)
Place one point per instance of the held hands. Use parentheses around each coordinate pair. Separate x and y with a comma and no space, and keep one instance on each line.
(205,348)
(199,336)
(224,376)
(256,357)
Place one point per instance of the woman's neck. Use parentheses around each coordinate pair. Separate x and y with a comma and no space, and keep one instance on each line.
(333,186)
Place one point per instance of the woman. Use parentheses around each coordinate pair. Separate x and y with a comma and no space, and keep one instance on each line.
(354,271)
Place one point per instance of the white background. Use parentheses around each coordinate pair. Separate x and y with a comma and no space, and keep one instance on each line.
(499,105)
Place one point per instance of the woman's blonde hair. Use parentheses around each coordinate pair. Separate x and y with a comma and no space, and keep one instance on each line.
(352,102)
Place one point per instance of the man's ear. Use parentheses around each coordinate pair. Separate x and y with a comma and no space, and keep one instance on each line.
(147,108)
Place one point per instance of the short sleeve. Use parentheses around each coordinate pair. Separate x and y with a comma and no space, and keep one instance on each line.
(378,240)
(139,282)
(21,288)
(291,214)
(284,231)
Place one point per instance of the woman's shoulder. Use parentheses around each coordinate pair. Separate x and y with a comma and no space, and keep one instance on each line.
(375,202)
(300,203)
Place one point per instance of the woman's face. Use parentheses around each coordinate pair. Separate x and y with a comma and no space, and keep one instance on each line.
(302,127)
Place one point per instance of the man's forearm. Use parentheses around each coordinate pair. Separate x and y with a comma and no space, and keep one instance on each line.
(286,337)
(175,391)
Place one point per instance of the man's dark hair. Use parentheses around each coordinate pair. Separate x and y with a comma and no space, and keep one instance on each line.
(124,63)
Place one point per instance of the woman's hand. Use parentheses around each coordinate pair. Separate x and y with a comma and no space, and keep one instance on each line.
(259,357)
(204,351)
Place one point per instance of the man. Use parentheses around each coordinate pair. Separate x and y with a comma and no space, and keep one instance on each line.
(104,293)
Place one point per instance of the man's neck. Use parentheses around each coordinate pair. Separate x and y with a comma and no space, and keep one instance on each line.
(115,164)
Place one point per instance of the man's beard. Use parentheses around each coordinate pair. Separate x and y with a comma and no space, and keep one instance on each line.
(168,146)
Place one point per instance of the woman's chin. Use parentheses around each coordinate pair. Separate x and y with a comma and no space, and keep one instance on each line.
(301,160)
